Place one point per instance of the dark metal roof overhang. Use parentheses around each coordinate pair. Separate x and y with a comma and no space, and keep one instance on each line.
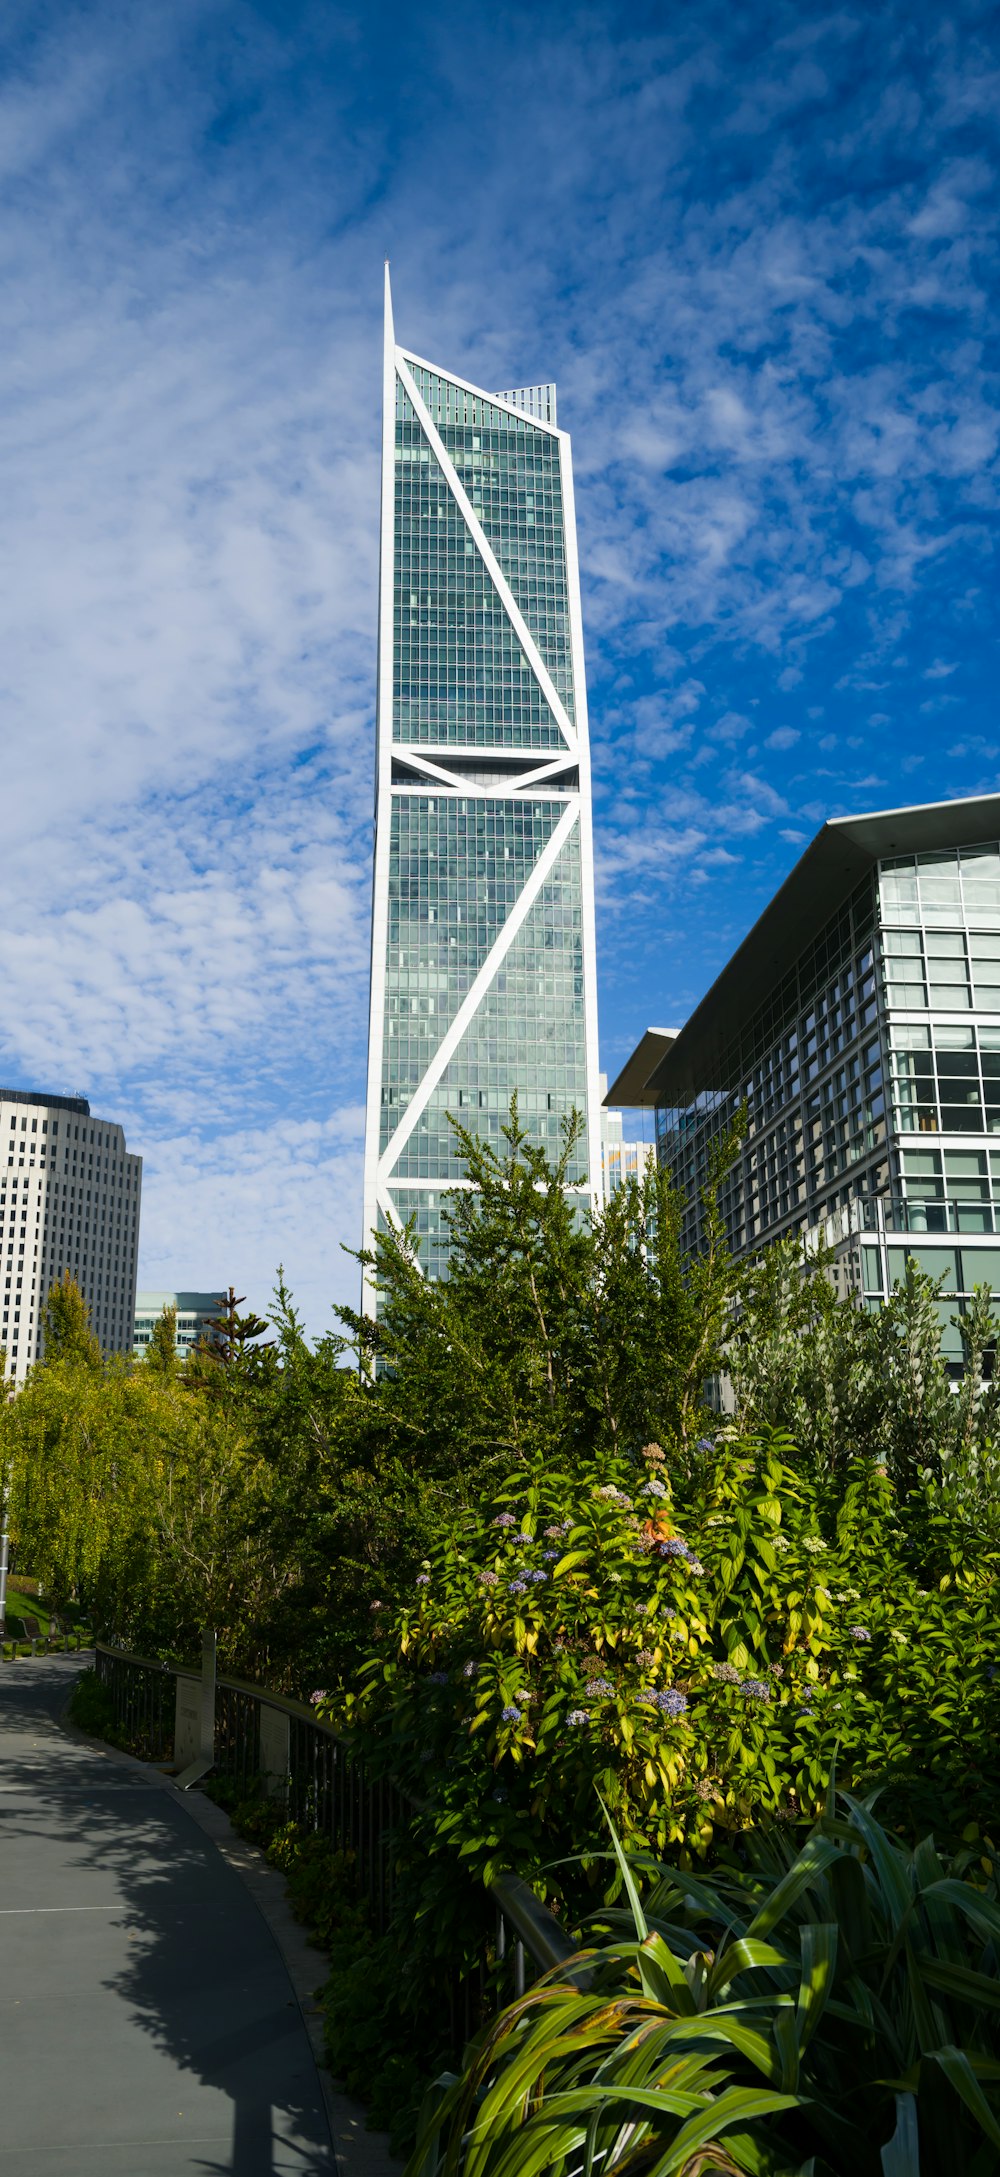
(826,874)
(632,1086)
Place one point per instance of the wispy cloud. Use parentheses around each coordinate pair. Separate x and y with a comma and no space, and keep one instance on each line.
(760,258)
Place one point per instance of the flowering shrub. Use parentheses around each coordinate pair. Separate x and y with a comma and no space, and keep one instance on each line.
(699,1664)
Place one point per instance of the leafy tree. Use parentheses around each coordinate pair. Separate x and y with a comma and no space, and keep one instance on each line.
(66,1325)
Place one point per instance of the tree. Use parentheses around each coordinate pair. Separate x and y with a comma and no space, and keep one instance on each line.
(552,1332)
(161,1352)
(66,1326)
(234,1333)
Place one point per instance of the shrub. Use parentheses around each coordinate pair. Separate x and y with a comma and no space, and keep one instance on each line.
(828,2008)
(698,1664)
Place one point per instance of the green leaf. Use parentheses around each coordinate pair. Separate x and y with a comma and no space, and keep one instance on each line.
(742,1956)
(959,2073)
(817,1853)
(638,1915)
(818,1944)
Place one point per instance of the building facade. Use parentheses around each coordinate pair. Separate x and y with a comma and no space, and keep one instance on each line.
(195,1314)
(483,977)
(858,1026)
(69,1200)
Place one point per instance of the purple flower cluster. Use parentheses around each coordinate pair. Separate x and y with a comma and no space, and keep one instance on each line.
(755,1689)
(318,1696)
(505,1519)
(726,1673)
(549,1557)
(673,1546)
(555,1534)
(510,1715)
(517,1587)
(577,1716)
(423,1579)
(859,1632)
(669,1702)
(535,1579)
(488,1579)
(599,1688)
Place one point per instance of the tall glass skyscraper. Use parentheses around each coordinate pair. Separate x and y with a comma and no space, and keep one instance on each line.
(483,970)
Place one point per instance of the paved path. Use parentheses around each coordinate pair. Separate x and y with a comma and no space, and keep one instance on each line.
(148,2027)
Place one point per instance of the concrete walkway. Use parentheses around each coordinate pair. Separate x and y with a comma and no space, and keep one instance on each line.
(148,2026)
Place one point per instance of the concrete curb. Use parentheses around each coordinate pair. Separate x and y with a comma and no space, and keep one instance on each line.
(357,2151)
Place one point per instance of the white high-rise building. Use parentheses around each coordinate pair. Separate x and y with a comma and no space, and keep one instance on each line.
(69,1200)
(483,956)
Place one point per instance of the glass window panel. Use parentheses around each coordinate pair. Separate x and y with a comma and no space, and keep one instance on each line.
(946,944)
(935,1261)
(921,1163)
(905,942)
(953,997)
(948,1037)
(980,1266)
(973,1216)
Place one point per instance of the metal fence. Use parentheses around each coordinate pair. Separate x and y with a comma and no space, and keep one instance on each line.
(328,1790)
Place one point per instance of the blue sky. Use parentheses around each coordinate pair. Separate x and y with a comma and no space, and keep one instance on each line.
(756,248)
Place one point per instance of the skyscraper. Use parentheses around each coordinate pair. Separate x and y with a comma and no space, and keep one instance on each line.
(483,971)
(69,1200)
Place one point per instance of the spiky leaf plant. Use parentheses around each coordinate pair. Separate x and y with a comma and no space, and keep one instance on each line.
(827,2011)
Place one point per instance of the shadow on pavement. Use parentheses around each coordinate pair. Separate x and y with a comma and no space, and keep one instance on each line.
(155,2030)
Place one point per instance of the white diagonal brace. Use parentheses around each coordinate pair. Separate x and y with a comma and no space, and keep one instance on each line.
(486,552)
(476,992)
(499,789)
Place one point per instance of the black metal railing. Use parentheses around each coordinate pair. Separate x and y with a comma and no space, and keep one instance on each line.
(329,1790)
(143,1696)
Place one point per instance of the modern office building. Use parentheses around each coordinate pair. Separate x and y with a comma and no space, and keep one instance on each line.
(859,1026)
(69,1200)
(483,977)
(195,1314)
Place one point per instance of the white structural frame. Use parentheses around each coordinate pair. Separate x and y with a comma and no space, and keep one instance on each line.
(546,774)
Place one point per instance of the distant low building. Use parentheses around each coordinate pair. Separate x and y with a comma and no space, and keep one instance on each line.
(858,1025)
(69,1200)
(195,1314)
(620,1159)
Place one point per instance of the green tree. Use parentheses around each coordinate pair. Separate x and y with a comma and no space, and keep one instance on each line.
(66,1325)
